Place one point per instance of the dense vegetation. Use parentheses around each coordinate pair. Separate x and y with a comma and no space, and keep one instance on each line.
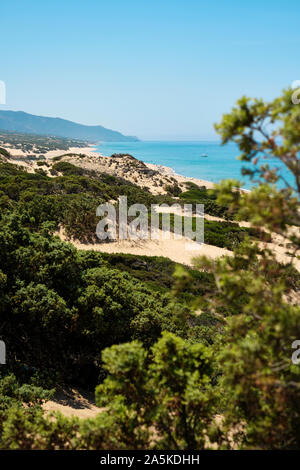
(223,234)
(65,300)
(201,195)
(189,360)
(58,305)
(71,197)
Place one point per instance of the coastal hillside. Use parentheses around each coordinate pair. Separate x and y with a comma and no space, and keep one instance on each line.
(163,338)
(149,289)
(19,121)
(77,177)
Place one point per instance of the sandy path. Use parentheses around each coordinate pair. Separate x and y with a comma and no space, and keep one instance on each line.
(72,402)
(181,251)
(176,250)
(89,151)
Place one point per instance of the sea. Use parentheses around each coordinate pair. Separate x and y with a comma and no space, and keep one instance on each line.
(207,160)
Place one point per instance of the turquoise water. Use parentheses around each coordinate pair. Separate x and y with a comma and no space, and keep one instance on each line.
(185,158)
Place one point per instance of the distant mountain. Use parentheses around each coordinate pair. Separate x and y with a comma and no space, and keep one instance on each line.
(18,121)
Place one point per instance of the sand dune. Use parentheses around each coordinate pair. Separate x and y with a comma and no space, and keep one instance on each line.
(181,251)
(73,402)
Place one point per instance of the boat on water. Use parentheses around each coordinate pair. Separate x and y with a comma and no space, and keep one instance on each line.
(203,155)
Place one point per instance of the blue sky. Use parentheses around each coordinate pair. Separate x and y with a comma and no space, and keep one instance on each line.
(163,69)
